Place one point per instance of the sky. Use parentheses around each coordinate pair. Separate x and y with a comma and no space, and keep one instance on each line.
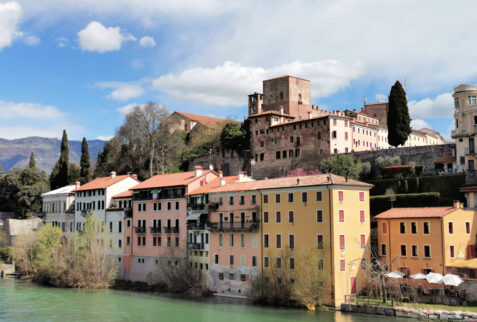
(81,65)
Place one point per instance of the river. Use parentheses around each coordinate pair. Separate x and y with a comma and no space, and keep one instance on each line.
(24,301)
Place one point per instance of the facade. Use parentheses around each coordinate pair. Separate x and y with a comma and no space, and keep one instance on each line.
(58,206)
(187,121)
(423,240)
(160,221)
(465,116)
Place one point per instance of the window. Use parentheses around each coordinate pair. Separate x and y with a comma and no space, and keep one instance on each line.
(321,264)
(342,242)
(266,262)
(363,241)
(333,135)
(318,135)
(254,199)
(177,205)
(341,216)
(319,241)
(467,227)
(265,241)
(414,228)
(277,198)
(451,251)
(342,265)
(292,262)
(414,250)
(427,251)
(278,155)
(169,206)
(402,227)
(291,216)
(231,200)
(451,227)
(265,217)
(278,217)
(425,228)
(471,100)
(279,262)
(383,250)
(340,196)
(279,241)
(216,258)
(265,198)
(361,196)
(221,276)
(319,216)
(291,241)
(403,251)
(221,240)
(242,240)
(242,200)
(231,240)
(456,102)
(290,197)
(362,217)
(231,260)
(304,197)
(254,261)
(319,196)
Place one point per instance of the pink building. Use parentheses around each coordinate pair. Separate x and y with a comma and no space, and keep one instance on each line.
(159,234)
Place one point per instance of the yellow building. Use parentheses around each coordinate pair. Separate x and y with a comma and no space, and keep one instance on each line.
(414,240)
(323,218)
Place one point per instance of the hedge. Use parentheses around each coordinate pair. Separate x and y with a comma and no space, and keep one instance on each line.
(379,204)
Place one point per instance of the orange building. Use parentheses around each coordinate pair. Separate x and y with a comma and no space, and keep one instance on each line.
(414,240)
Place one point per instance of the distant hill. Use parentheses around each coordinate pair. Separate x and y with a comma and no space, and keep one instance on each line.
(16,153)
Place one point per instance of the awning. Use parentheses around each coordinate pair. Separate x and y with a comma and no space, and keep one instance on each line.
(470,263)
(193,216)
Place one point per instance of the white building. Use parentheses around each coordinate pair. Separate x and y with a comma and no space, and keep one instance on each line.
(58,206)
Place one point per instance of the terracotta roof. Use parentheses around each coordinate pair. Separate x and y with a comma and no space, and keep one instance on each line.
(169,180)
(269,113)
(469,189)
(307,119)
(446,160)
(125,194)
(60,191)
(212,185)
(102,183)
(285,76)
(206,120)
(371,126)
(424,212)
(377,103)
(285,182)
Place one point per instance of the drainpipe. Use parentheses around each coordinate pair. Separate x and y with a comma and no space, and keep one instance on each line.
(443,246)
(330,206)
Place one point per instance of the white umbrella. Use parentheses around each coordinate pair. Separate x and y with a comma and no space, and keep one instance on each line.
(435,278)
(451,279)
(418,276)
(400,273)
(393,275)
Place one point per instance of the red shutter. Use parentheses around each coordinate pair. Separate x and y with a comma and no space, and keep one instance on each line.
(279,241)
(340,196)
(291,217)
(342,242)
(451,228)
(353,285)
(385,228)
(361,216)
(292,241)
(363,241)
(341,216)
(361,196)
(265,216)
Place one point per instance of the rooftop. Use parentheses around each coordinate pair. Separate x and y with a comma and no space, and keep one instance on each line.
(271,113)
(212,185)
(424,212)
(285,76)
(170,180)
(60,191)
(125,194)
(103,182)
(206,120)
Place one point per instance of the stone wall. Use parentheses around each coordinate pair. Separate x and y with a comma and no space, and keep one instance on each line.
(227,161)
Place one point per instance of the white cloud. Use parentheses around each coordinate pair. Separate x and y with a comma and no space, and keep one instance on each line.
(32,41)
(126,109)
(11,14)
(62,42)
(96,37)
(11,110)
(381,98)
(122,91)
(104,137)
(137,64)
(229,84)
(147,41)
(440,107)
(51,131)
(420,124)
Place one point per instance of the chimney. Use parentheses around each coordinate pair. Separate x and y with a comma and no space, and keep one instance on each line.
(113,174)
(211,167)
(222,181)
(134,176)
(281,110)
(298,181)
(240,176)
(456,204)
(197,171)
(310,115)
(221,174)
(77,184)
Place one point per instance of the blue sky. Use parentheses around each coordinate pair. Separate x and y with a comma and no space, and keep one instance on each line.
(82,64)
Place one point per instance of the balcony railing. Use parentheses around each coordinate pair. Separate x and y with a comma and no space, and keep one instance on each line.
(196,206)
(469,150)
(171,230)
(140,230)
(470,177)
(235,226)
(196,227)
(196,246)
(156,230)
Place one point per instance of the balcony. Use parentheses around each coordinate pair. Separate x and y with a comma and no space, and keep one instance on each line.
(171,230)
(459,133)
(471,177)
(140,230)
(196,227)
(469,151)
(156,230)
(235,226)
(196,246)
(128,212)
(196,206)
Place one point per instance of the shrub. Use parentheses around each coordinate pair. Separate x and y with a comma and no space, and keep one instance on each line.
(379,204)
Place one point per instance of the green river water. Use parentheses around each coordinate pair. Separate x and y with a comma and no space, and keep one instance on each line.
(24,301)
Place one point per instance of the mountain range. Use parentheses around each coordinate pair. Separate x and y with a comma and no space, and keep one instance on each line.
(16,153)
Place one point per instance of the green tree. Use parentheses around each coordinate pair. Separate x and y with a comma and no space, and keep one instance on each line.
(398,119)
(342,165)
(234,137)
(59,175)
(85,163)
(32,163)
(74,173)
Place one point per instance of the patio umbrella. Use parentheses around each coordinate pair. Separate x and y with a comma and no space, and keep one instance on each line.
(453,280)
(418,276)
(435,278)
(393,275)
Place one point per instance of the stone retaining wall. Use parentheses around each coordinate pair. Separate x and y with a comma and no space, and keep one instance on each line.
(407,312)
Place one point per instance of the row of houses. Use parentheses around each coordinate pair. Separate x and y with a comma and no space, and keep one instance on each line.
(233,229)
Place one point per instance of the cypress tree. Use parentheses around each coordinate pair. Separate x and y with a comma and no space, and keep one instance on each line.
(398,118)
(59,174)
(32,163)
(85,162)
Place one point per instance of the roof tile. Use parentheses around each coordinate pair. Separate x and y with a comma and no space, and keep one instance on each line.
(423,212)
